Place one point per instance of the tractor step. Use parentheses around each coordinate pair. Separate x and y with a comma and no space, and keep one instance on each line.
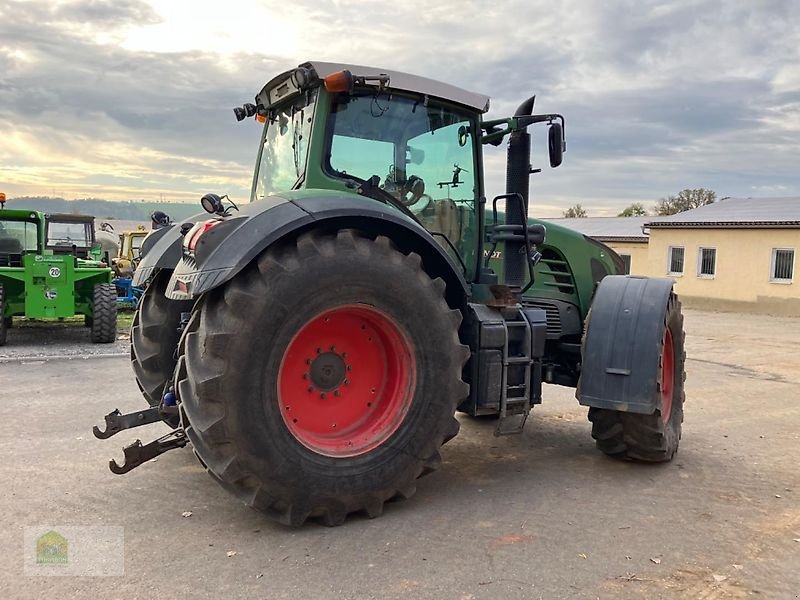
(137,453)
(515,402)
(512,424)
(116,421)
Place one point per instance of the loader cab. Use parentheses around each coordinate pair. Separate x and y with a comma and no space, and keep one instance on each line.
(402,140)
(19,235)
(70,234)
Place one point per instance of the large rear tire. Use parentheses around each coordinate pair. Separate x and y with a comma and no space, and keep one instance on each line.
(653,437)
(323,379)
(154,338)
(104,317)
(3,321)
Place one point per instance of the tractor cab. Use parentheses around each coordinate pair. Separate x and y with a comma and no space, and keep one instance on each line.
(19,235)
(403,140)
(70,234)
(408,141)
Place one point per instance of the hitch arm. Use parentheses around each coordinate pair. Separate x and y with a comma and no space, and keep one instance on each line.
(138,453)
(116,421)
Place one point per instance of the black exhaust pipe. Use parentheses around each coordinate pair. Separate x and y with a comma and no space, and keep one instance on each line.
(518,169)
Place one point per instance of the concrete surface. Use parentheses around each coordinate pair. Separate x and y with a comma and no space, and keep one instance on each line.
(541,515)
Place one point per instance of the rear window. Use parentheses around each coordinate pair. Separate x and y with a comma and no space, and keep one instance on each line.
(68,234)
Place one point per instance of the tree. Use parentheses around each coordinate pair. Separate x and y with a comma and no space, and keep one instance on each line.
(634,210)
(685,200)
(575,212)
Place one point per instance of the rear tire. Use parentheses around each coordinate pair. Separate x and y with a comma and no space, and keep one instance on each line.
(273,361)
(154,338)
(4,322)
(653,437)
(104,318)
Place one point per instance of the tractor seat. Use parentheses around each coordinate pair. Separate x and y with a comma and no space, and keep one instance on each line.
(443,217)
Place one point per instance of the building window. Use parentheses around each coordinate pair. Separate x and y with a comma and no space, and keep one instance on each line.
(707,262)
(782,269)
(675,266)
(626,259)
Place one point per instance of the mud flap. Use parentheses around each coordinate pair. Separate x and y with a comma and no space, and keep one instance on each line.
(622,344)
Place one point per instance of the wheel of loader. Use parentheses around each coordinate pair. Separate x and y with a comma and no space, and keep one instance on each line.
(654,437)
(154,339)
(323,379)
(104,319)
(3,322)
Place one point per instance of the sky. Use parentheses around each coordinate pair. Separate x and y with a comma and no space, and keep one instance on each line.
(130,99)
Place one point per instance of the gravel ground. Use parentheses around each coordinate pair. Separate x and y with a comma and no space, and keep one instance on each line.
(47,340)
(538,515)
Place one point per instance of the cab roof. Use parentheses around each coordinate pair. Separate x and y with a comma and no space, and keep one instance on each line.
(291,82)
(407,82)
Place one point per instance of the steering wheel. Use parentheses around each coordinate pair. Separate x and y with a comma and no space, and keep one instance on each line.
(412,190)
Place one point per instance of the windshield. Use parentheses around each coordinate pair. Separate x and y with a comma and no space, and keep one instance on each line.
(68,234)
(17,237)
(284,148)
(136,244)
(423,153)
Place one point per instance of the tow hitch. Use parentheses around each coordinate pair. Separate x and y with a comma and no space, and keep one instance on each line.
(138,453)
(116,421)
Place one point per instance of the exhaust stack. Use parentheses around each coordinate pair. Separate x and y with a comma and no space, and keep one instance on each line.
(518,169)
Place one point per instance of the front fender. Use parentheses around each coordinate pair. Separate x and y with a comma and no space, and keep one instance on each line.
(227,248)
(622,344)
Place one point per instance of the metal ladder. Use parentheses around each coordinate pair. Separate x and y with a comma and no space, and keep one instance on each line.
(514,409)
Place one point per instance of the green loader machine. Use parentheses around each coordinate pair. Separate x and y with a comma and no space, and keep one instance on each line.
(50,268)
(314,345)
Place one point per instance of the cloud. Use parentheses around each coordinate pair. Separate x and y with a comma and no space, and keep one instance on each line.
(125,99)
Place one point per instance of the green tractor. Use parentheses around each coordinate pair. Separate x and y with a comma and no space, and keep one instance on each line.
(50,268)
(315,345)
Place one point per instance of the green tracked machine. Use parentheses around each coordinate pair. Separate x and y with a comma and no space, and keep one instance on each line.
(314,345)
(50,268)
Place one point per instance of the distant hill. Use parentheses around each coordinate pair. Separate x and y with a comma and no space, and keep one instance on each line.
(131,210)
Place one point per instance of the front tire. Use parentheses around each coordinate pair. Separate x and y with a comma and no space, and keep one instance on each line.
(653,437)
(104,317)
(323,379)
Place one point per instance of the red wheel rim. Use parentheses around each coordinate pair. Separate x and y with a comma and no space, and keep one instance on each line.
(346,381)
(667,375)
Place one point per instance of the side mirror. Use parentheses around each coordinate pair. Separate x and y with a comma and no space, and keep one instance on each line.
(555,144)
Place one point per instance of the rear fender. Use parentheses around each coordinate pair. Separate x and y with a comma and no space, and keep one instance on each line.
(161,249)
(228,248)
(622,344)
